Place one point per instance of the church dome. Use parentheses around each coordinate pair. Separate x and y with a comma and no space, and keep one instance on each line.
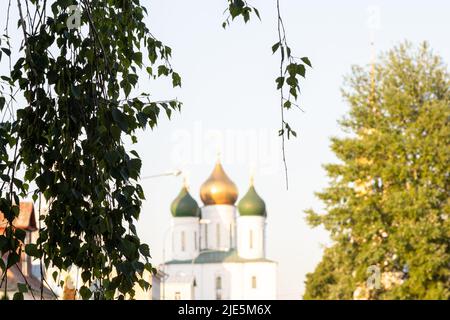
(184,205)
(252,204)
(218,188)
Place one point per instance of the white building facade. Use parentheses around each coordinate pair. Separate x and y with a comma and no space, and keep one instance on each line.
(218,251)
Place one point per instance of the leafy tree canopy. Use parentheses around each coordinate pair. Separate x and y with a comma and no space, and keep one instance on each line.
(387,205)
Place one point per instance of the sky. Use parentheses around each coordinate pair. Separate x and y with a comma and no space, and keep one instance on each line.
(231,105)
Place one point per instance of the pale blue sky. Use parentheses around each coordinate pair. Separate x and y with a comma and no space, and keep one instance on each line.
(228,88)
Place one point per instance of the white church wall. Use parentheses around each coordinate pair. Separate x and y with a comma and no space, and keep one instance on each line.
(236,280)
(265,275)
(209,287)
(205,276)
(250,236)
(185,235)
(245,275)
(178,291)
(220,231)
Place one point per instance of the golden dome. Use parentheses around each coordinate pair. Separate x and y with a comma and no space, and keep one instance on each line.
(218,188)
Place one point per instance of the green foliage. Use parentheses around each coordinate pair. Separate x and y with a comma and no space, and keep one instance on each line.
(291,70)
(85,292)
(18,296)
(78,85)
(22,287)
(322,284)
(388,200)
(238,8)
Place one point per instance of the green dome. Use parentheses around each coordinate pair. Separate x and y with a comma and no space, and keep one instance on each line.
(184,205)
(252,204)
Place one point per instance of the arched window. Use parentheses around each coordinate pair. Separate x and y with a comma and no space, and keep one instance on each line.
(206,236)
(218,235)
(195,240)
(251,239)
(218,282)
(231,235)
(218,288)
(183,241)
(253,282)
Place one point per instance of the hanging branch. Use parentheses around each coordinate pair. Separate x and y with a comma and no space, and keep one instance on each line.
(238,8)
(291,69)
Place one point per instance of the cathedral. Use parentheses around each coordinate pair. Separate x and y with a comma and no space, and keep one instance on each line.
(218,250)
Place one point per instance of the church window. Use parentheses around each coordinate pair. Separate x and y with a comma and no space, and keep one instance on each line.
(251,239)
(218,282)
(183,241)
(195,240)
(231,236)
(254,282)
(206,236)
(218,235)
(218,288)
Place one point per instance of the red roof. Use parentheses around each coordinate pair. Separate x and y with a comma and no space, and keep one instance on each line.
(26,219)
(15,276)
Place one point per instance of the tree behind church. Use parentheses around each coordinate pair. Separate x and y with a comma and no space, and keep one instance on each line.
(387,204)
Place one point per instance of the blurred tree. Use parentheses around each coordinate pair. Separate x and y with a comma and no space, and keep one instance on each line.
(388,205)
